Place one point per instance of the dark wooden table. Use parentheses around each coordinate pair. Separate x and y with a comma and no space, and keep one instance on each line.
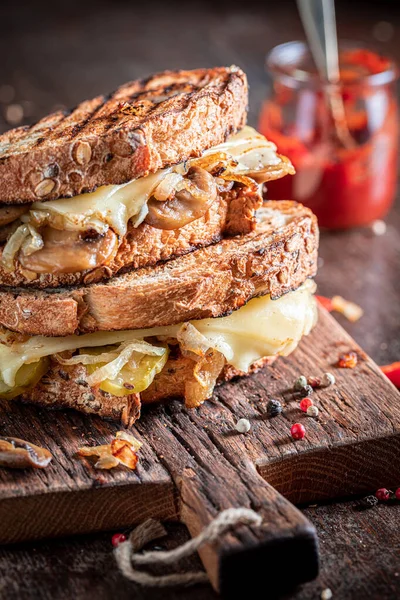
(58,55)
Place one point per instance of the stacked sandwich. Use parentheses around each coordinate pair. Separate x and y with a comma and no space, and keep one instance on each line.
(138,261)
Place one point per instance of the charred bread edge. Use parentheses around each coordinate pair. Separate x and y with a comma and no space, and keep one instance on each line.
(209,282)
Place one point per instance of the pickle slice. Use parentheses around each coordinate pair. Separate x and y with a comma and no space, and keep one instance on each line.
(129,380)
(27,377)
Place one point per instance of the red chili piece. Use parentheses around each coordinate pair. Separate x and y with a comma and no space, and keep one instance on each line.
(305,403)
(297,431)
(117,538)
(393,373)
(382,494)
(325,302)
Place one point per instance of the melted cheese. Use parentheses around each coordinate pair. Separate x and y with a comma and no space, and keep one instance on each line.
(250,149)
(263,327)
(114,205)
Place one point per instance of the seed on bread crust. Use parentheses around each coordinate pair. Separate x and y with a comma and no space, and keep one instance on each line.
(82,153)
(44,187)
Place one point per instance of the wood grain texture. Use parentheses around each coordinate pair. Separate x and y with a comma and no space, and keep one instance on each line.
(194,464)
(50,62)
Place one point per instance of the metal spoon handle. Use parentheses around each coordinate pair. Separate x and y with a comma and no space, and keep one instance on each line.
(319,21)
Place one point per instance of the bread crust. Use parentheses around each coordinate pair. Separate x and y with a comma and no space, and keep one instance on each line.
(143,126)
(170,383)
(66,387)
(274,259)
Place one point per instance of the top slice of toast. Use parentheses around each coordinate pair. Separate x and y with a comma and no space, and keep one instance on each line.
(143,126)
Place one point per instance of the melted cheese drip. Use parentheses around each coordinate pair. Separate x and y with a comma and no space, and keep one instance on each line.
(263,327)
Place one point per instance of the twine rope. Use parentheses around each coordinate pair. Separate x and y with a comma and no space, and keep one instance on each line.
(126,553)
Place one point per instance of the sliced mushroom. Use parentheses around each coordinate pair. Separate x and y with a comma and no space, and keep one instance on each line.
(12,212)
(187,205)
(71,251)
(19,454)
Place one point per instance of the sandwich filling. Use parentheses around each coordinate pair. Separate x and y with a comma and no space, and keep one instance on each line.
(83,233)
(127,362)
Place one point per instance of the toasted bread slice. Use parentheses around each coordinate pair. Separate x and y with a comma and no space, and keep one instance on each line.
(274,259)
(232,213)
(66,387)
(141,127)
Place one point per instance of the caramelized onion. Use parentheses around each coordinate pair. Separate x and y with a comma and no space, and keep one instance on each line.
(121,450)
(241,179)
(210,162)
(205,374)
(272,172)
(19,454)
(191,341)
(194,198)
(13,246)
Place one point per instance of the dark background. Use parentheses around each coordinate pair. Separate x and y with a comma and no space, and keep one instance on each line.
(58,54)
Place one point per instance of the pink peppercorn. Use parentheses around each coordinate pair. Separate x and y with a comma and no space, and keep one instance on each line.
(297,431)
(305,403)
(382,494)
(117,538)
(397,494)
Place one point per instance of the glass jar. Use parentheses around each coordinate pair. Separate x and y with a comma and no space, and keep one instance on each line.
(346,165)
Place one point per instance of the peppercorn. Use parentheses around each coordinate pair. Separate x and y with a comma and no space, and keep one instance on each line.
(397,494)
(274,408)
(243,426)
(312,411)
(305,403)
(315,382)
(326,594)
(300,383)
(328,379)
(382,494)
(117,538)
(306,391)
(297,431)
(367,502)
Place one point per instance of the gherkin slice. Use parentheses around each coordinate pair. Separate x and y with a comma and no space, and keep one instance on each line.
(27,377)
(130,380)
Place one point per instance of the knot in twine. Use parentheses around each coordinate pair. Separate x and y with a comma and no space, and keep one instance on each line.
(126,553)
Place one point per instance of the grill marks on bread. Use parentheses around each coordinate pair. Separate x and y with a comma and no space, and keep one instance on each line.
(141,127)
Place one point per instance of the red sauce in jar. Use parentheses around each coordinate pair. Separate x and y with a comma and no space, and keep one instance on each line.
(344,186)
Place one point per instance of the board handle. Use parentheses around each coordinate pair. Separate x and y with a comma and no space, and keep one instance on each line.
(275,557)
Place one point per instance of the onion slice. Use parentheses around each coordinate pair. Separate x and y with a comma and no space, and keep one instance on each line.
(112,369)
(13,246)
(115,359)
(192,341)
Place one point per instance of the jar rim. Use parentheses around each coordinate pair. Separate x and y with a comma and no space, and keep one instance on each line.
(290,54)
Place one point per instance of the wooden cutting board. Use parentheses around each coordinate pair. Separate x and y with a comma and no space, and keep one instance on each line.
(193,464)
